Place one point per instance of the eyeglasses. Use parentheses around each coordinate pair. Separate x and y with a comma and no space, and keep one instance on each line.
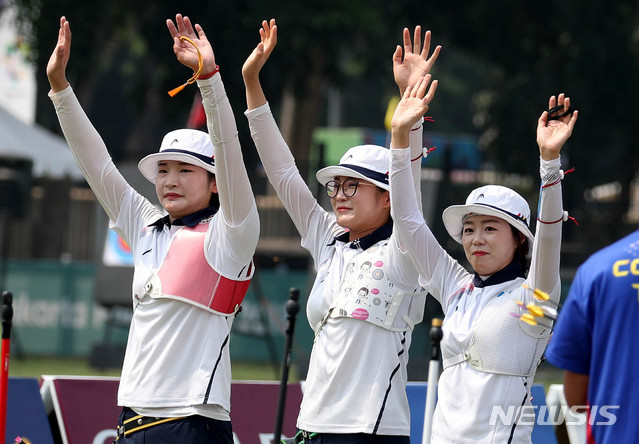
(349,187)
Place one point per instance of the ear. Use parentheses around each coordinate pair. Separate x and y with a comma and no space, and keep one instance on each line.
(522,238)
(386,203)
(213,185)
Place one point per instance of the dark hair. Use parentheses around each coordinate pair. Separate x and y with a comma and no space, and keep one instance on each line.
(214,201)
(521,253)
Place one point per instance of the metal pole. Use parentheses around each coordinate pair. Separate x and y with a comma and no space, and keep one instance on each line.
(436,335)
(7,316)
(292,308)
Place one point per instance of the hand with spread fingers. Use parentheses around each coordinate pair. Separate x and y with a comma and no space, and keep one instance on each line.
(410,109)
(186,52)
(255,62)
(552,133)
(414,63)
(268,39)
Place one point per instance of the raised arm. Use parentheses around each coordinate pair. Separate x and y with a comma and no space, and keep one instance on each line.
(86,144)
(426,253)
(184,50)
(254,63)
(552,134)
(410,109)
(234,187)
(275,155)
(57,66)
(410,63)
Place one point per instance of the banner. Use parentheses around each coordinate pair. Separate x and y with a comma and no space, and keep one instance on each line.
(543,431)
(87,412)
(26,416)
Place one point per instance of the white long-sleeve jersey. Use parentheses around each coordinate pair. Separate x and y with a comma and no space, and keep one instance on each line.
(356,381)
(177,357)
(491,354)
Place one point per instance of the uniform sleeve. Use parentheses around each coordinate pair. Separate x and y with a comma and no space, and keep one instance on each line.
(234,187)
(238,228)
(90,152)
(314,224)
(571,343)
(416,140)
(437,269)
(544,265)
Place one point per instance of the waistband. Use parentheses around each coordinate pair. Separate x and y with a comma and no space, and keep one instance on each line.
(140,422)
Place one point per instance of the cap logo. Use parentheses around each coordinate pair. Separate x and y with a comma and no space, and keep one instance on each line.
(174,142)
(370,174)
(481,196)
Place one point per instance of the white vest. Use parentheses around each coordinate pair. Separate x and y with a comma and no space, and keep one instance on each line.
(501,342)
(366,293)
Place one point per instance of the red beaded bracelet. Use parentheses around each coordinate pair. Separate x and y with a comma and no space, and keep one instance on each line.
(211,74)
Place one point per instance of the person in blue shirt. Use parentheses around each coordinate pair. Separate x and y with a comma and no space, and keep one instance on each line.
(596,342)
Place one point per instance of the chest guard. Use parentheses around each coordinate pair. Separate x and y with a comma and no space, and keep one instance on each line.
(366,293)
(186,275)
(502,343)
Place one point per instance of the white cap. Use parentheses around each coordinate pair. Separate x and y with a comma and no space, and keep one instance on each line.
(369,162)
(490,200)
(184,145)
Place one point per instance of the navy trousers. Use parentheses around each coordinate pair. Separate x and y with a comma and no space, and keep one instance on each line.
(192,430)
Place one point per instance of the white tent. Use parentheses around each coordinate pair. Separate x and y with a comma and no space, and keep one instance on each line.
(49,152)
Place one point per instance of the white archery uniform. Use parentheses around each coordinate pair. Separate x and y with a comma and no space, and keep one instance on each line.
(490,356)
(171,364)
(357,372)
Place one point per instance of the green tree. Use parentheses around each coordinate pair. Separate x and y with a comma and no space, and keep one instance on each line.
(587,50)
(122,64)
(501,62)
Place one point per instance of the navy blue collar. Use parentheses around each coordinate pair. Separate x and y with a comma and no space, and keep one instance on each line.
(508,273)
(190,220)
(383,232)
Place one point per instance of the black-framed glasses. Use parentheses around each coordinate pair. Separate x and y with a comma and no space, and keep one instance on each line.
(349,187)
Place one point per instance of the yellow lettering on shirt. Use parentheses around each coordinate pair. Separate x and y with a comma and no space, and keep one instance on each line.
(619,268)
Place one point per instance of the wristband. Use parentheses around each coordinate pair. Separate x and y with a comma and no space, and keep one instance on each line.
(209,75)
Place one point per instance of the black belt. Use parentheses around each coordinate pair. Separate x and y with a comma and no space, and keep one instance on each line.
(140,422)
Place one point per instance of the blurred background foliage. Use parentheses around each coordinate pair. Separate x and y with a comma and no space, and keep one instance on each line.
(500,63)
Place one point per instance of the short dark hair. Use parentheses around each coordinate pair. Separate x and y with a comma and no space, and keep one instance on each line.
(214,201)
(521,253)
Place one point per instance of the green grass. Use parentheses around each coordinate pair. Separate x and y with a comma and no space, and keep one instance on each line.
(242,371)
(36,367)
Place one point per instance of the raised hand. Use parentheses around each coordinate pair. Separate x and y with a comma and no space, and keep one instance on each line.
(415,62)
(184,51)
(552,134)
(253,65)
(268,39)
(410,109)
(57,65)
